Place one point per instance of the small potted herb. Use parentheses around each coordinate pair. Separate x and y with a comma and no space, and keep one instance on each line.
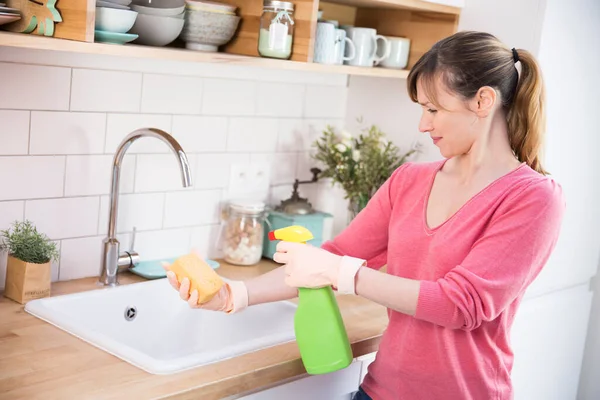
(28,270)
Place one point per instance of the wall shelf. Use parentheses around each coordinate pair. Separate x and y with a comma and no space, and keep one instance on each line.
(36,42)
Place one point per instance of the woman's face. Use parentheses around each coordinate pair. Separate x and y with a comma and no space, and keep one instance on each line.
(453,126)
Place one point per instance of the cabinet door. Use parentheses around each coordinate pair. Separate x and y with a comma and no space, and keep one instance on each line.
(548,339)
(337,385)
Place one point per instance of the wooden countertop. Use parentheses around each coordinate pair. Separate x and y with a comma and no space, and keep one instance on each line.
(38,360)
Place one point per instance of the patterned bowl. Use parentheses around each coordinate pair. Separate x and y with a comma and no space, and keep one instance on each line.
(206,31)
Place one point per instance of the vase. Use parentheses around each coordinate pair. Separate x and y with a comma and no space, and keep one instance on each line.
(353,209)
(26,281)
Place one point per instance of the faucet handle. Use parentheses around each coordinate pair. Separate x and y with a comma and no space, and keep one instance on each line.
(131,258)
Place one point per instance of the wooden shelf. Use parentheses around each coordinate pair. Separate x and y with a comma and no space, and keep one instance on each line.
(413,5)
(31,41)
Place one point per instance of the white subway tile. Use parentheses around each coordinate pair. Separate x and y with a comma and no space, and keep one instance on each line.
(90,175)
(229,97)
(95,90)
(10,211)
(252,134)
(80,258)
(280,100)
(160,172)
(292,134)
(283,165)
(31,177)
(163,244)
(171,94)
(212,170)
(34,87)
(66,217)
(67,133)
(305,163)
(314,129)
(121,125)
(200,134)
(205,240)
(325,102)
(192,208)
(142,211)
(14,132)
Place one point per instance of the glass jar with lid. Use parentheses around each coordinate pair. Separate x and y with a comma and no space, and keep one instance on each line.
(276,29)
(242,232)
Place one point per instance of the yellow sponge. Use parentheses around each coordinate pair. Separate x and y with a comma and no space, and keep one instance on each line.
(202,277)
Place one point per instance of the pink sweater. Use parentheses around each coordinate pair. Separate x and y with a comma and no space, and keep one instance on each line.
(474,269)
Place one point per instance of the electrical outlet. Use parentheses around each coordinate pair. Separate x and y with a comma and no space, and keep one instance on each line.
(249,181)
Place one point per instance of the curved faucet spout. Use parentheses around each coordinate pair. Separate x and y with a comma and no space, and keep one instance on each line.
(112,259)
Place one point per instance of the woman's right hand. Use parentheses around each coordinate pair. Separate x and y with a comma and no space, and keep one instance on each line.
(221,301)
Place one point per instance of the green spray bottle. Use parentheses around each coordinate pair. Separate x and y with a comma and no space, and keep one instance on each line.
(318,324)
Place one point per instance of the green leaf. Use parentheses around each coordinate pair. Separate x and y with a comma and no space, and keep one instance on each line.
(24,242)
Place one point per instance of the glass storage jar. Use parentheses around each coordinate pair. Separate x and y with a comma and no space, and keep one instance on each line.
(242,232)
(276,29)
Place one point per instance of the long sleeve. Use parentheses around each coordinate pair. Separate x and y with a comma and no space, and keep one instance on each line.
(366,237)
(501,264)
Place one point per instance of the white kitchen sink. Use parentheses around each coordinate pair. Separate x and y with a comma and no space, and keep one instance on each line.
(149,326)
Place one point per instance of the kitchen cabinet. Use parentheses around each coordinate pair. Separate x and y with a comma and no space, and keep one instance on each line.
(339,385)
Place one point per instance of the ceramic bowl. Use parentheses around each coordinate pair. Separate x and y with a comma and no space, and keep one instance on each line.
(160,3)
(114,20)
(206,31)
(210,6)
(163,12)
(155,30)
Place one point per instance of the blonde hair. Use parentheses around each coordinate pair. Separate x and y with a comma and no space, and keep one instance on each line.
(467,61)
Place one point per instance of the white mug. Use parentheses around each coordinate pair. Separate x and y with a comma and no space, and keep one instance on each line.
(329,44)
(365,43)
(399,50)
(340,47)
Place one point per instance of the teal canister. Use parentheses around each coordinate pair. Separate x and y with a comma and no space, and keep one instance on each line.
(314,222)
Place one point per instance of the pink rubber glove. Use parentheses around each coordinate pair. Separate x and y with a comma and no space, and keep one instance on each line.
(312,267)
(231,298)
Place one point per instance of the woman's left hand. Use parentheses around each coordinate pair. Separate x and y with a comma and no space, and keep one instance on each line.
(308,266)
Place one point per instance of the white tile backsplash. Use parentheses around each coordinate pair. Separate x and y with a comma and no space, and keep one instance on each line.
(14,132)
(160,172)
(89,175)
(171,94)
(229,97)
(280,100)
(65,217)
(200,134)
(34,87)
(143,211)
(80,257)
(10,211)
(252,134)
(94,90)
(325,102)
(31,177)
(67,133)
(120,125)
(191,208)
(62,117)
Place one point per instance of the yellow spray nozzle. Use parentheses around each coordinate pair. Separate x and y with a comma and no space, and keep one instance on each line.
(294,233)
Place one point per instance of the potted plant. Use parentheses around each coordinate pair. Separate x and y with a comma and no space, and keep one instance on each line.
(359,164)
(28,270)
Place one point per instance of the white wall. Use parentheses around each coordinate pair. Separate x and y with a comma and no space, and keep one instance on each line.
(63,115)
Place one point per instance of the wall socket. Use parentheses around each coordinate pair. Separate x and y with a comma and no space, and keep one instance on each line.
(249,181)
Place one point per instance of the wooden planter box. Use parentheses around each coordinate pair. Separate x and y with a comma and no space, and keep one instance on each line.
(26,281)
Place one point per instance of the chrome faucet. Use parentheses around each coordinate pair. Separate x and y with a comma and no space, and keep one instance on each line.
(112,259)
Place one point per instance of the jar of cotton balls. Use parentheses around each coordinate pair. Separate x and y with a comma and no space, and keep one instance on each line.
(242,232)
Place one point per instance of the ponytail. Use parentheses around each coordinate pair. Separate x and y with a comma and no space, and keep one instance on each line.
(526,115)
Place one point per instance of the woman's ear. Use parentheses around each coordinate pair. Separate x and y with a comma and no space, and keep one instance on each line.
(484,101)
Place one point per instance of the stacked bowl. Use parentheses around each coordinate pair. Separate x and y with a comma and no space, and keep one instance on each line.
(159,22)
(208,25)
(8,15)
(114,19)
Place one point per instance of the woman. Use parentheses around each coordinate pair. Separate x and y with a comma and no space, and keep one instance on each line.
(462,238)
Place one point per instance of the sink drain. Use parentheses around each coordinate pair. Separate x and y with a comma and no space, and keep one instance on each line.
(130,313)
